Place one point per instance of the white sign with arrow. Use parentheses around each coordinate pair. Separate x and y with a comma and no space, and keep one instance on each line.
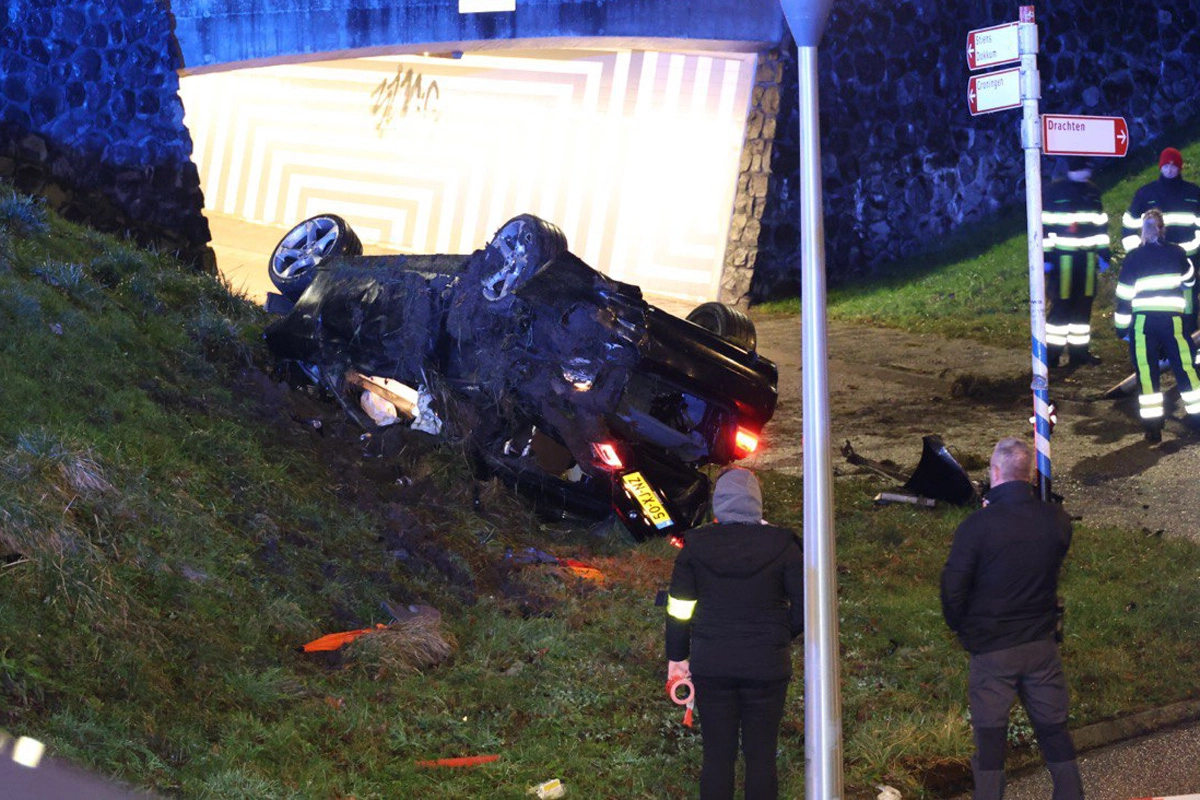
(994,91)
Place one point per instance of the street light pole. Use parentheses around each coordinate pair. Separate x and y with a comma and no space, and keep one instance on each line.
(822,689)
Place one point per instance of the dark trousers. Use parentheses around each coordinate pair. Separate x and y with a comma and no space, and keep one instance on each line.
(1033,672)
(1162,336)
(729,707)
(1070,288)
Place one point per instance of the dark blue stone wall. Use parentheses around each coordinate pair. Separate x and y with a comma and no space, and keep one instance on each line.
(905,163)
(90,119)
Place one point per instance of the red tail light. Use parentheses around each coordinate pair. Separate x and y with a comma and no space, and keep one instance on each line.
(676,540)
(607,455)
(744,443)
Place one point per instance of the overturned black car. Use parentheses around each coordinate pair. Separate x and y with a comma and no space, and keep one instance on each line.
(566,384)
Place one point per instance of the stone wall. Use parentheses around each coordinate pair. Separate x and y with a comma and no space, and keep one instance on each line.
(903,161)
(90,120)
(753,183)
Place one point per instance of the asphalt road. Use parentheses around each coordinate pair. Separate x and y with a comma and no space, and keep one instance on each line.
(1163,764)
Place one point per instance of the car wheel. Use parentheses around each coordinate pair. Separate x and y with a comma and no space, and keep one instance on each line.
(727,322)
(307,245)
(524,244)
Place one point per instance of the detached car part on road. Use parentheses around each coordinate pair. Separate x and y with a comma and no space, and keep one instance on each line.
(565,383)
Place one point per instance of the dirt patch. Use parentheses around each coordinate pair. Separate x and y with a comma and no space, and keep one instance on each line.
(888,389)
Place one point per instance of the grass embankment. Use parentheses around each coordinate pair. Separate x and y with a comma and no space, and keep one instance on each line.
(975,284)
(167,545)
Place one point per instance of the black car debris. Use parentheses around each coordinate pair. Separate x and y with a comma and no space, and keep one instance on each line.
(566,384)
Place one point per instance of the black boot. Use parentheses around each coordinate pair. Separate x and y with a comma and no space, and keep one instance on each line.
(1068,785)
(1084,359)
(1154,435)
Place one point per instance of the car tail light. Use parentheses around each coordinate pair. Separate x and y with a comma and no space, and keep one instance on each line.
(676,540)
(744,443)
(606,453)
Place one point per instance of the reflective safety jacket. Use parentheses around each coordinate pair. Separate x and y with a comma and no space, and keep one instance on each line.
(736,601)
(1179,202)
(1155,278)
(1073,220)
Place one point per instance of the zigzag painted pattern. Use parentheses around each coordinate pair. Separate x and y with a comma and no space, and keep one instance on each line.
(634,154)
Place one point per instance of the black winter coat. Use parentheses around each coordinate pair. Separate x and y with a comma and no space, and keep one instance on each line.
(1000,583)
(748,584)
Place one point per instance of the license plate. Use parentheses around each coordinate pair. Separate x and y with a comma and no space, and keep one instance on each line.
(640,489)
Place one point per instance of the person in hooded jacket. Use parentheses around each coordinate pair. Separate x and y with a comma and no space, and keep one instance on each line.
(735,604)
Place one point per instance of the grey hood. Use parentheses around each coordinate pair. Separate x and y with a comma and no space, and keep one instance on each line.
(737,497)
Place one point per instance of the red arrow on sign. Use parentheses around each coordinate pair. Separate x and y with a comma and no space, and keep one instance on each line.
(994,91)
(1073,135)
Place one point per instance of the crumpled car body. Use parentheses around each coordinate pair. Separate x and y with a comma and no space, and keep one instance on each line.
(565,383)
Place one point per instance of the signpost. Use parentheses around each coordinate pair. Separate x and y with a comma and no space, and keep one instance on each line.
(1020,87)
(991,47)
(1072,135)
(994,91)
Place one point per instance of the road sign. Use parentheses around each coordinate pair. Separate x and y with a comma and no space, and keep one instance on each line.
(994,91)
(991,47)
(1071,135)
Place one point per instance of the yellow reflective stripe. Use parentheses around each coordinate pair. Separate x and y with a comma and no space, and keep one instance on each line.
(1181,218)
(1073,217)
(1076,242)
(680,609)
(1189,369)
(1156,283)
(1159,304)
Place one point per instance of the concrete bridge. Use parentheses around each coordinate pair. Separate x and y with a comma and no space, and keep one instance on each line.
(212,33)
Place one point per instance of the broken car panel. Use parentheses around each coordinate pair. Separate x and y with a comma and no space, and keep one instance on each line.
(567,384)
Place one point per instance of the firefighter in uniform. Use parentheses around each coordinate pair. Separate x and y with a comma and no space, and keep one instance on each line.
(1075,245)
(1156,281)
(1179,202)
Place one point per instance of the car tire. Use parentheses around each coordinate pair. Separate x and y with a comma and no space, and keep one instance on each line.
(298,253)
(524,244)
(727,322)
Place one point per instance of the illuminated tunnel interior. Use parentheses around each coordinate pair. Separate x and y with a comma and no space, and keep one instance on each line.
(633,153)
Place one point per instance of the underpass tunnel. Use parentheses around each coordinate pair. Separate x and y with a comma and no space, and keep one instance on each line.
(634,153)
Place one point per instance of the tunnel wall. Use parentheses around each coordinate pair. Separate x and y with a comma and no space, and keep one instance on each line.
(90,120)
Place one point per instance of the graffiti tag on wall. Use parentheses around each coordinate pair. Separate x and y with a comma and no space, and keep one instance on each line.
(404,94)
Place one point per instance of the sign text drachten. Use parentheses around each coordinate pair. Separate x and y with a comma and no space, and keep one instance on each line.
(1073,135)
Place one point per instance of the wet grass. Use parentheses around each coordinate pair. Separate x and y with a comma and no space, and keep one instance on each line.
(168,543)
(975,284)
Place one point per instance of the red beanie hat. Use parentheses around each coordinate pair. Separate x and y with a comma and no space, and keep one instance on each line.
(1170,156)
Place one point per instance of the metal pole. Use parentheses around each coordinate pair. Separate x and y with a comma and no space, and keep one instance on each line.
(822,684)
(1031,142)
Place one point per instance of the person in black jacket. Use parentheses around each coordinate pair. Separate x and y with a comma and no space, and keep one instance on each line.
(736,603)
(999,596)
(1075,246)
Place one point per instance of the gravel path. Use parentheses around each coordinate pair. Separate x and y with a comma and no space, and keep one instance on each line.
(888,389)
